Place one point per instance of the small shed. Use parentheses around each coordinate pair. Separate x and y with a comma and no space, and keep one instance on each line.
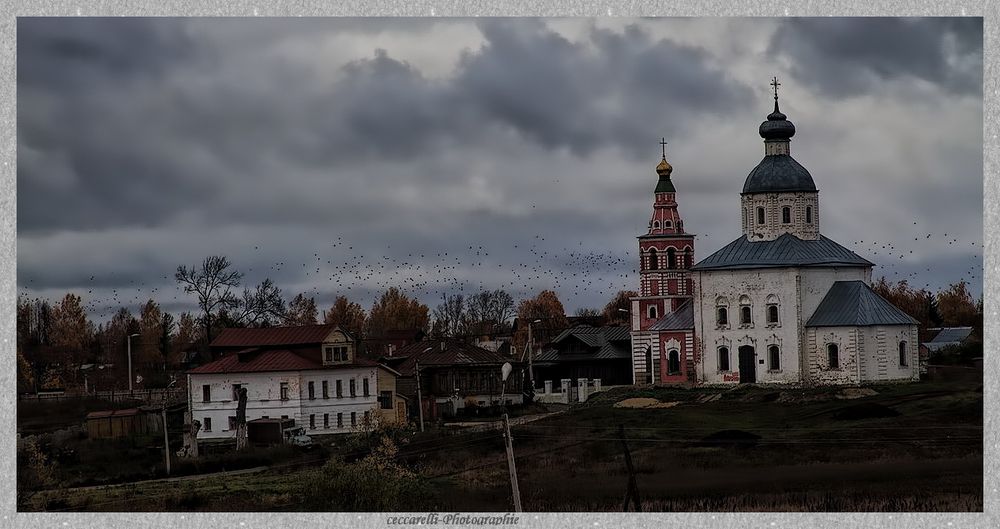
(113,424)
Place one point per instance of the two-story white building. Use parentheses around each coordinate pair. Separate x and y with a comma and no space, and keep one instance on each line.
(310,373)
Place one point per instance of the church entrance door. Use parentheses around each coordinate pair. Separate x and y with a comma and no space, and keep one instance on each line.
(748,365)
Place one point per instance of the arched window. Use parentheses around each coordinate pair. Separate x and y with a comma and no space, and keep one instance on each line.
(774,357)
(772,310)
(656,224)
(809,214)
(902,354)
(722,316)
(746,314)
(653,264)
(760,215)
(651,311)
(723,359)
(786,215)
(671,258)
(668,224)
(833,355)
(673,362)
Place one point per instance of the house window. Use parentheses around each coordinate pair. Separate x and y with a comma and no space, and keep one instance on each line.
(354,392)
(283,417)
(833,355)
(809,214)
(208,424)
(206,393)
(340,420)
(312,421)
(652,311)
(232,422)
(312,390)
(902,354)
(326,389)
(774,355)
(354,419)
(722,316)
(328,353)
(786,215)
(673,362)
(671,258)
(340,354)
(340,389)
(385,400)
(236,391)
(723,359)
(284,390)
(653,264)
(364,387)
(326,420)
(760,215)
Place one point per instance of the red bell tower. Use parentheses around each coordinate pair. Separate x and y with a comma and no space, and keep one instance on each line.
(666,253)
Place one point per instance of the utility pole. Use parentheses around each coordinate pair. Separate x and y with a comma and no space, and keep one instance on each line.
(632,492)
(420,403)
(130,362)
(508,442)
(166,435)
(531,353)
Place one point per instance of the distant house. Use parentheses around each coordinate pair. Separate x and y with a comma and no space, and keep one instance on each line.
(311,374)
(391,341)
(586,352)
(453,376)
(113,424)
(944,337)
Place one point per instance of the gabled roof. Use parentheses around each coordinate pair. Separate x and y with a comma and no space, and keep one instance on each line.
(273,336)
(787,250)
(952,335)
(256,361)
(680,319)
(603,343)
(854,303)
(430,353)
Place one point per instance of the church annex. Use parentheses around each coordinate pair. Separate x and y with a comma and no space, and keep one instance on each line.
(780,304)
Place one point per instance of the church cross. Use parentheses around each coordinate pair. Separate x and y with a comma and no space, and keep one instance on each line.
(663,147)
(775,84)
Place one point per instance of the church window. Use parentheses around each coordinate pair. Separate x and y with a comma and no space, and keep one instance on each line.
(673,362)
(722,316)
(652,312)
(746,314)
(902,354)
(772,310)
(653,265)
(786,215)
(723,359)
(656,224)
(760,215)
(774,355)
(671,258)
(668,224)
(833,355)
(809,214)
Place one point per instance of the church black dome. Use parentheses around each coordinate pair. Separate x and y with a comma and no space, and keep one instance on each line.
(778,173)
(777,126)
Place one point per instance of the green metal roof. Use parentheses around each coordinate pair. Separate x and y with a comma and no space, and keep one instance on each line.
(664,185)
(787,250)
(854,303)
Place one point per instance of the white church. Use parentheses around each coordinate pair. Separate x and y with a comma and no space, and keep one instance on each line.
(780,304)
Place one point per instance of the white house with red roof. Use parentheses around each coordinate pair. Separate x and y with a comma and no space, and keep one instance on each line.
(308,373)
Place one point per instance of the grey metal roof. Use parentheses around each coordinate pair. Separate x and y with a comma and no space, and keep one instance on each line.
(953,335)
(778,173)
(680,319)
(603,343)
(786,250)
(854,303)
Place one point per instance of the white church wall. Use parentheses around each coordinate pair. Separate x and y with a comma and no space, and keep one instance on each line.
(816,282)
(882,358)
(773,227)
(848,340)
(757,285)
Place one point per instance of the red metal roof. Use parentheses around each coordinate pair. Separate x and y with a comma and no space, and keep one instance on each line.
(271,336)
(270,360)
(429,352)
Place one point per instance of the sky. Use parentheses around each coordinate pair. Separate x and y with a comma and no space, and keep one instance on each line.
(446,156)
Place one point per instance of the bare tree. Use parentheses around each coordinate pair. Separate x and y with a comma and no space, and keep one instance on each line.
(302,311)
(262,307)
(490,311)
(212,283)
(450,318)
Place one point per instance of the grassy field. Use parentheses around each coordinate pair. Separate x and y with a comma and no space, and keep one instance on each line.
(914,447)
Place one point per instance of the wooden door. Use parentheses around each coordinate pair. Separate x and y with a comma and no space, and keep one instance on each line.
(748,365)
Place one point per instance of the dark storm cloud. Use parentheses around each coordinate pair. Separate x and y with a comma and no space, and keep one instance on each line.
(204,131)
(849,56)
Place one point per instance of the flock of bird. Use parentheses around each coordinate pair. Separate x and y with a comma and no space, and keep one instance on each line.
(581,277)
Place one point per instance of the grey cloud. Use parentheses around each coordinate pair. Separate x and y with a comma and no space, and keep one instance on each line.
(848,56)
